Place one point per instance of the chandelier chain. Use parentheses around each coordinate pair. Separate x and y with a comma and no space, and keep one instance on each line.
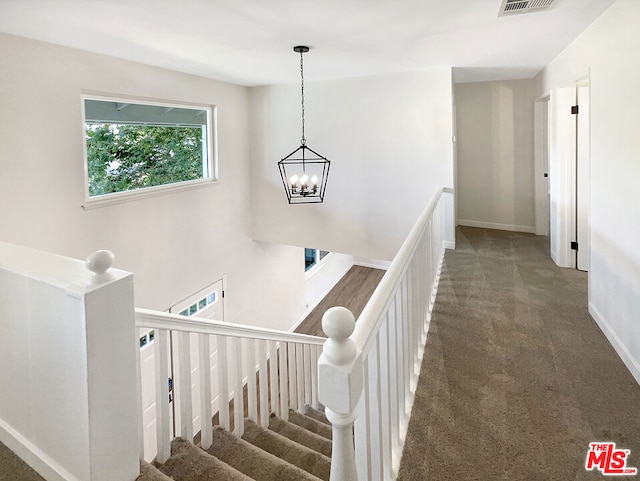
(303,141)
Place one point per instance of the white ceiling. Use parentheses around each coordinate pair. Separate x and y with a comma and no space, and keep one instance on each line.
(250,42)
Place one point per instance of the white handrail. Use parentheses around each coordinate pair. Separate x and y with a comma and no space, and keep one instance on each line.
(369,368)
(372,315)
(239,354)
(151,319)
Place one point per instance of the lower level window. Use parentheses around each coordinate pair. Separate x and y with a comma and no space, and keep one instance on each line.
(312,257)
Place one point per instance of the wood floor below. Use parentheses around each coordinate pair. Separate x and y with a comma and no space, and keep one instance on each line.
(352,291)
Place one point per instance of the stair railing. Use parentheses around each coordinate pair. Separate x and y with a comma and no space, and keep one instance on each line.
(278,370)
(369,369)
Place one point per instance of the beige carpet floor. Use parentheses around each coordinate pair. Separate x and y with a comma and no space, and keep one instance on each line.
(12,468)
(517,378)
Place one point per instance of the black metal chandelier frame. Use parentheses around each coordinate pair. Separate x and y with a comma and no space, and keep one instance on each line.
(304,172)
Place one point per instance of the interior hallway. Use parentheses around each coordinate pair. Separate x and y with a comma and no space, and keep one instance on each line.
(517,378)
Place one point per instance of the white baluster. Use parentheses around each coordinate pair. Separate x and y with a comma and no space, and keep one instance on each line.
(206,428)
(403,345)
(186,409)
(393,378)
(238,398)
(284,375)
(385,396)
(401,318)
(362,431)
(264,388)
(300,377)
(139,397)
(162,396)
(307,375)
(252,401)
(316,350)
(273,377)
(340,377)
(407,339)
(376,440)
(223,383)
(293,377)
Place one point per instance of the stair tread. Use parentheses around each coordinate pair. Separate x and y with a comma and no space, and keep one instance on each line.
(149,472)
(288,450)
(300,435)
(317,414)
(253,461)
(310,424)
(190,463)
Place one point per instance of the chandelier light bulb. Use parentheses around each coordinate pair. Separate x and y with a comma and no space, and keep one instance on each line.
(294,179)
(304,179)
(314,179)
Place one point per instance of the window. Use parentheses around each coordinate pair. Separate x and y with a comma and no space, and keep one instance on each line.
(312,257)
(147,339)
(309,258)
(199,305)
(135,147)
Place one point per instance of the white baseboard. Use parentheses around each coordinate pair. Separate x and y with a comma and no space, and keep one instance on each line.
(31,454)
(373,263)
(632,364)
(449,245)
(492,225)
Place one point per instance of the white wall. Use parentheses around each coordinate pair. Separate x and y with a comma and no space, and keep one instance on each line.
(608,50)
(389,139)
(495,156)
(175,243)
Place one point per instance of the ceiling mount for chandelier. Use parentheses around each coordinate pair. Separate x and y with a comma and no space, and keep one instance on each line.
(304,172)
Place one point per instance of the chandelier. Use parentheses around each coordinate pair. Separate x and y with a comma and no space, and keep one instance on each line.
(304,172)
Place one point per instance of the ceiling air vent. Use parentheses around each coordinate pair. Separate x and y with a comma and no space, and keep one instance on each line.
(511,7)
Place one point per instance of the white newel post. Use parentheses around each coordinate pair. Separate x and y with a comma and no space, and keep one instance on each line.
(68,351)
(111,378)
(340,383)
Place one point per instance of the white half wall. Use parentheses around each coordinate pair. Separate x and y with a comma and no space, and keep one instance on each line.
(175,243)
(69,382)
(389,140)
(495,155)
(608,50)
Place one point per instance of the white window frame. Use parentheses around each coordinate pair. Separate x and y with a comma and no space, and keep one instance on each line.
(92,202)
(320,263)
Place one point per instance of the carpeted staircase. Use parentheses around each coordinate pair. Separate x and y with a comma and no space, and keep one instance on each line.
(295,450)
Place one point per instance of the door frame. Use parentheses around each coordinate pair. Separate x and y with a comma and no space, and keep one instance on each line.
(583,177)
(562,172)
(541,166)
(147,368)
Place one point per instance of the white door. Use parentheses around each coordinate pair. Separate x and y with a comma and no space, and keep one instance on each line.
(582,179)
(207,303)
(569,176)
(562,168)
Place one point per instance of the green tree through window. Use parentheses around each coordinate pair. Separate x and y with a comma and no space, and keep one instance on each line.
(132,146)
(127,157)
